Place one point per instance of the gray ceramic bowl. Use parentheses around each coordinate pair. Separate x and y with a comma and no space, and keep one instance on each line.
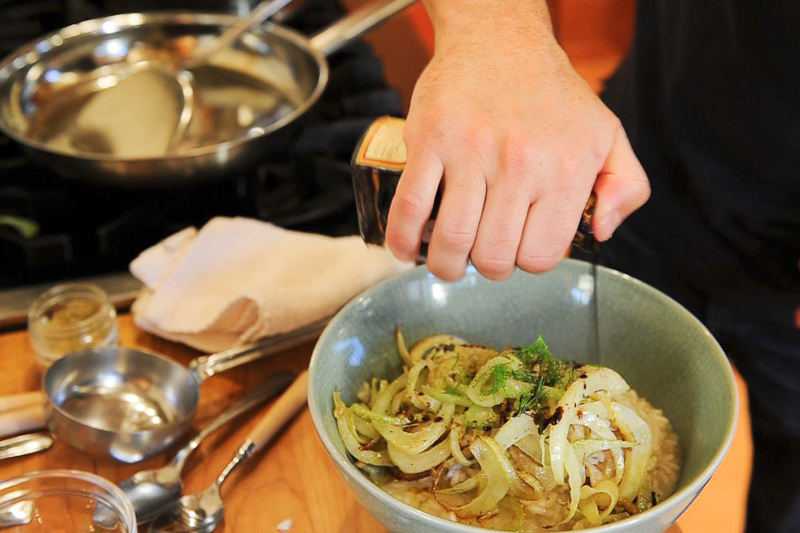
(655,344)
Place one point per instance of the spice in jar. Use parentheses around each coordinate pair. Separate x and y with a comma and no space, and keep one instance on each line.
(70,318)
(71,312)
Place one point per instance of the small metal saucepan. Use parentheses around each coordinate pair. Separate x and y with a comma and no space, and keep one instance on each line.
(132,404)
(120,130)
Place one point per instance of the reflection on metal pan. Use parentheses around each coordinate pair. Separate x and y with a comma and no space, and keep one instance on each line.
(121,130)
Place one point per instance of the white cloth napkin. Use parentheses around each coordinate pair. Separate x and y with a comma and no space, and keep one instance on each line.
(239,279)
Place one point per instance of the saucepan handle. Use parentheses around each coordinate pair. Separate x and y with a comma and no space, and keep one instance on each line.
(209,365)
(22,412)
(21,400)
(356,24)
(264,10)
(22,420)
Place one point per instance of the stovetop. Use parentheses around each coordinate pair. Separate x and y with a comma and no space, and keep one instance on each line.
(53,230)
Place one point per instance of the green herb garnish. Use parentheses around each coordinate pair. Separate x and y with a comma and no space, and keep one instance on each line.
(549,373)
(497,378)
(550,369)
(525,375)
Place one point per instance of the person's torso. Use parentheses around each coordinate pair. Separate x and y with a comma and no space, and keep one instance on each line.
(710,96)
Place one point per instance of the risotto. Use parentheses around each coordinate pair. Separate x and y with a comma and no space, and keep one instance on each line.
(510,440)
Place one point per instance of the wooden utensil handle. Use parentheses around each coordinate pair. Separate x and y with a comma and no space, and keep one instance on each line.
(22,420)
(285,407)
(21,400)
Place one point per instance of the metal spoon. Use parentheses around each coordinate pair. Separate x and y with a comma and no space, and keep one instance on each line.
(264,10)
(151,491)
(204,512)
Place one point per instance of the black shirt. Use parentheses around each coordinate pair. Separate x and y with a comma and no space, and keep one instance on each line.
(710,97)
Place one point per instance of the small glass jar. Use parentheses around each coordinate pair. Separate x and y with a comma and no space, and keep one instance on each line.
(64,500)
(69,318)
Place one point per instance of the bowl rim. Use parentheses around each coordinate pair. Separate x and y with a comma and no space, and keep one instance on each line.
(342,461)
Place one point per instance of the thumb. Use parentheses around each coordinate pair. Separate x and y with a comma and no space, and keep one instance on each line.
(621,187)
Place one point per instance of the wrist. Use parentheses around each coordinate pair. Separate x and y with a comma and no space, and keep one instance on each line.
(453,19)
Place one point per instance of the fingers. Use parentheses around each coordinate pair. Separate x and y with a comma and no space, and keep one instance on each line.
(498,237)
(549,229)
(496,225)
(493,221)
(457,221)
(413,202)
(622,187)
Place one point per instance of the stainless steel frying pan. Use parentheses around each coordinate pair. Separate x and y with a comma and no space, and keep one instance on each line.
(246,99)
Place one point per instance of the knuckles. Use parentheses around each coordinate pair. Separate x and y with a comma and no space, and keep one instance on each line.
(455,240)
(569,167)
(538,168)
(520,160)
(519,156)
(410,206)
(643,192)
(451,136)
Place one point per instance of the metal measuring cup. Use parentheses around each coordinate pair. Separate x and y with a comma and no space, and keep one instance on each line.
(132,404)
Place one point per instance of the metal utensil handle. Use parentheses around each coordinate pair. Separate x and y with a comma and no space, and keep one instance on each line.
(356,24)
(24,445)
(288,405)
(265,390)
(209,365)
(262,12)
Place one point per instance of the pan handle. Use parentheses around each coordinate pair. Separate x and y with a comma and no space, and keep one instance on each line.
(356,24)
(209,365)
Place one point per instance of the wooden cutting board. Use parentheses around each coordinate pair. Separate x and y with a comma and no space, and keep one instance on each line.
(294,479)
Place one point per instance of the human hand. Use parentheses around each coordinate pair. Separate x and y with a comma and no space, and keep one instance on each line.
(518,140)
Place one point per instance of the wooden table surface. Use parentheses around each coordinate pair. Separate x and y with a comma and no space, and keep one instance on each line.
(293,479)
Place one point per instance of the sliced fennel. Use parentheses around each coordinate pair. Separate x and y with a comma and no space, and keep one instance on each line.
(594,379)
(518,423)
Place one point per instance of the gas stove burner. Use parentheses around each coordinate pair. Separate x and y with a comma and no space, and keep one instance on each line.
(52,229)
